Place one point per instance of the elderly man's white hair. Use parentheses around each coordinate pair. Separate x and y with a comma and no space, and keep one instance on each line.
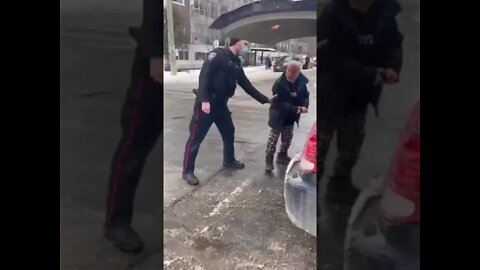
(295,64)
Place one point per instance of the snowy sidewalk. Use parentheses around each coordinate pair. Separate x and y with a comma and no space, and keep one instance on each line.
(191,76)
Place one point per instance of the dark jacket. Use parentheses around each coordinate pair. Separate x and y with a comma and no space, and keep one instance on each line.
(355,45)
(287,100)
(220,73)
(150,36)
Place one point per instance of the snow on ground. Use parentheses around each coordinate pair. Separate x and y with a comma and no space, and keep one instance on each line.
(191,76)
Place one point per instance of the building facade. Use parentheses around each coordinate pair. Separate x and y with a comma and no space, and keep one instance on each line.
(196,17)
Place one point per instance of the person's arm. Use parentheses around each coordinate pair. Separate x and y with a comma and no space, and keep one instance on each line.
(284,106)
(394,56)
(153,28)
(306,100)
(245,83)
(206,76)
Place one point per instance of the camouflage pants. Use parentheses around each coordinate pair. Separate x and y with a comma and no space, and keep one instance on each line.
(287,135)
(350,132)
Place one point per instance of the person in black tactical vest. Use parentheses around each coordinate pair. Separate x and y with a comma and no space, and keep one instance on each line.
(220,73)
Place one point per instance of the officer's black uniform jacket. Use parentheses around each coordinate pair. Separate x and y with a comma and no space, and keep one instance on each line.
(220,73)
(149,36)
(152,29)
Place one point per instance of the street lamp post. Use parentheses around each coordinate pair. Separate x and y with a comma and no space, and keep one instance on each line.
(171,43)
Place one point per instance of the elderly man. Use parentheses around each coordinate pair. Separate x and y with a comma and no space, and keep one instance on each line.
(291,99)
(361,52)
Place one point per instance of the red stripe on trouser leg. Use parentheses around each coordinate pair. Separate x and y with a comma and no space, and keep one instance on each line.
(190,142)
(117,178)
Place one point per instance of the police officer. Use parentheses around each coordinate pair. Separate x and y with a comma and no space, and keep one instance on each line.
(220,73)
(141,121)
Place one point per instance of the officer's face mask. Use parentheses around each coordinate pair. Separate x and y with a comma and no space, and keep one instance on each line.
(244,51)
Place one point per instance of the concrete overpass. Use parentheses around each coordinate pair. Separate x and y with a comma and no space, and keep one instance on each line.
(270,21)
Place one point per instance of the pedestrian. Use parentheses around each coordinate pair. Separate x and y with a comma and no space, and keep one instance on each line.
(268,63)
(361,49)
(141,120)
(307,62)
(220,73)
(291,98)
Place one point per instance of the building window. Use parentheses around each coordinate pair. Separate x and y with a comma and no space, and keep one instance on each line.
(214,10)
(200,56)
(182,54)
(179,2)
(199,7)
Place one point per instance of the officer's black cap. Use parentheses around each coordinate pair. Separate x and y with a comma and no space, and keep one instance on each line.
(234,40)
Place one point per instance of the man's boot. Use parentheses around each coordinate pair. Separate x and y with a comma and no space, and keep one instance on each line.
(283,158)
(341,189)
(269,163)
(234,165)
(125,238)
(190,178)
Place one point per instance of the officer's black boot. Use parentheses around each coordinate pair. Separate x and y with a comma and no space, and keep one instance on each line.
(283,158)
(269,163)
(191,179)
(125,238)
(234,165)
(341,189)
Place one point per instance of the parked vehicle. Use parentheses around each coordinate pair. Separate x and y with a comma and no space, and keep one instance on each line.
(281,63)
(384,227)
(300,190)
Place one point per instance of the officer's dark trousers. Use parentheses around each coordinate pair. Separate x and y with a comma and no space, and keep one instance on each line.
(199,126)
(142,123)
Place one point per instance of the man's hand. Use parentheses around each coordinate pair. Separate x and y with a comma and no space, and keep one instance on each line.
(304,109)
(391,75)
(379,78)
(156,69)
(271,99)
(206,107)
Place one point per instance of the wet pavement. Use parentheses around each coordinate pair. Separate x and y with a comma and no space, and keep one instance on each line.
(234,219)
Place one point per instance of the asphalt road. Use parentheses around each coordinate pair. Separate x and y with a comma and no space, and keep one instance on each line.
(234,219)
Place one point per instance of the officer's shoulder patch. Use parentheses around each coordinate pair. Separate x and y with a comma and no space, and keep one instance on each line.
(212,55)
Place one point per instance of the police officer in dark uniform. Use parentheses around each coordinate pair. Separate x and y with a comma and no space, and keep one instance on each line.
(220,73)
(142,123)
